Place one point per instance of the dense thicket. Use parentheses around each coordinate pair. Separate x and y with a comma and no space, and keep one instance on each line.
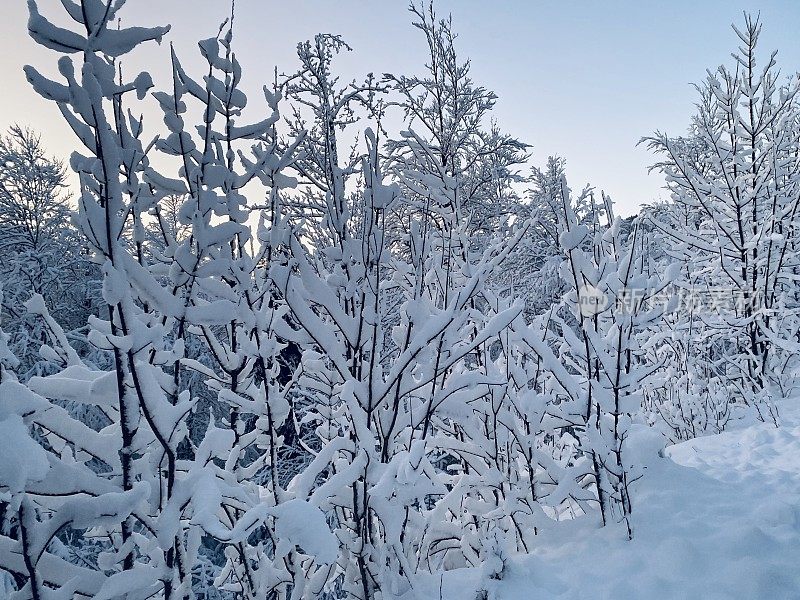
(263,363)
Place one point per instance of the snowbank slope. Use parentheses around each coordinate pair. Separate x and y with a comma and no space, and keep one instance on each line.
(716,518)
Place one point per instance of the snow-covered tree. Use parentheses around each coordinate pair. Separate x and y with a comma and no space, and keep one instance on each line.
(323,112)
(40,251)
(735,181)
(451,113)
(592,344)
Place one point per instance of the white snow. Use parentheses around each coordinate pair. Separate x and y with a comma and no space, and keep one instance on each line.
(390,415)
(23,459)
(715,518)
(299,523)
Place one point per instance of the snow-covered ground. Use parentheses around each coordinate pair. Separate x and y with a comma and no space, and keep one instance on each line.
(716,518)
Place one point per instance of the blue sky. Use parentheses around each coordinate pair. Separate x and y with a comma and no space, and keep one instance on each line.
(579,78)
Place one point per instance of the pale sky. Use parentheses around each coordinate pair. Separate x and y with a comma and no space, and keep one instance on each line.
(579,78)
